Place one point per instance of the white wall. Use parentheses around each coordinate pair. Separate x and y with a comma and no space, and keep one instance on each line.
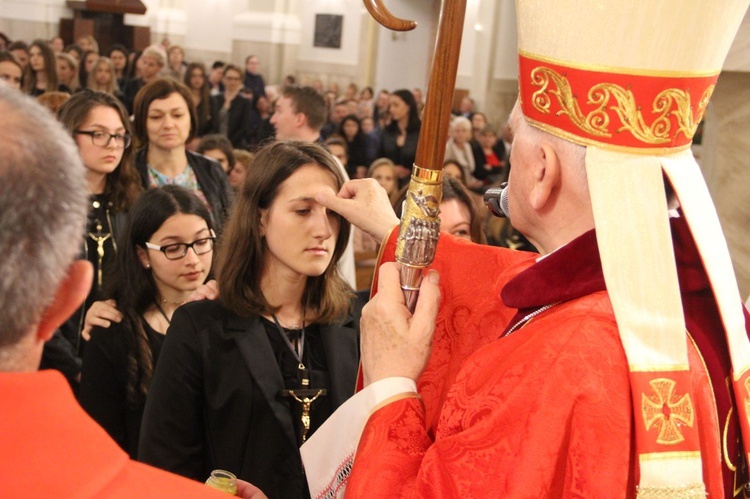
(351,10)
(506,39)
(403,59)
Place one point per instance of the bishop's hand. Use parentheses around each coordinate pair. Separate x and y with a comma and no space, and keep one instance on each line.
(395,342)
(365,204)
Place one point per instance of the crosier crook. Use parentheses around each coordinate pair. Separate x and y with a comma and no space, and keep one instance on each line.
(420,223)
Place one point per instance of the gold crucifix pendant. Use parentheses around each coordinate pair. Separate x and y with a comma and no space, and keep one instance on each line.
(99,240)
(305,397)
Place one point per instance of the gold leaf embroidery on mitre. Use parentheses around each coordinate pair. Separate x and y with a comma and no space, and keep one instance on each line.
(664,411)
(631,117)
(595,123)
(627,109)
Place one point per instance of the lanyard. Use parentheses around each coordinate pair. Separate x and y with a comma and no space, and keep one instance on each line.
(299,351)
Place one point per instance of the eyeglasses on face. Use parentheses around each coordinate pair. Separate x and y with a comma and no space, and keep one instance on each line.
(102,139)
(179,250)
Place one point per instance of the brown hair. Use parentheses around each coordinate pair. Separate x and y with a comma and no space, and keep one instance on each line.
(453,189)
(160,88)
(50,68)
(240,259)
(231,67)
(220,142)
(307,101)
(123,185)
(203,108)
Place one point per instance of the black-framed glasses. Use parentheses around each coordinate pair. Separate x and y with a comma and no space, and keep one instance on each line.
(176,251)
(102,139)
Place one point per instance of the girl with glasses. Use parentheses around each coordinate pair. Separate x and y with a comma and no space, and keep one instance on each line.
(100,128)
(165,254)
(234,374)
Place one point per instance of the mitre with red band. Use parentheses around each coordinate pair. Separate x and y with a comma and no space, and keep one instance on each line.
(649,114)
(631,81)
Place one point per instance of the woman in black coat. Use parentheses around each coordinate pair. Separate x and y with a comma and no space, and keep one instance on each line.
(165,255)
(399,139)
(99,125)
(226,393)
(165,121)
(234,116)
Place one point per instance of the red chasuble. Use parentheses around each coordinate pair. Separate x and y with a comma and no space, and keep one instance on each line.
(52,448)
(544,411)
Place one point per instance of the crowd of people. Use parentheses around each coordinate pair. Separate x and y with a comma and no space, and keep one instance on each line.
(181,161)
(191,268)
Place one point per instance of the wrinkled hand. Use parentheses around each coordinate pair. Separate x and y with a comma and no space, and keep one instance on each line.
(247,490)
(102,314)
(365,204)
(208,291)
(395,342)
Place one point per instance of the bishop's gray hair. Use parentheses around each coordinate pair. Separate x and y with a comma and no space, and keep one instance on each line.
(43,202)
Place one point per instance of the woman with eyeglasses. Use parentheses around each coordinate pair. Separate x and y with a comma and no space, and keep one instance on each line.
(234,374)
(100,128)
(165,122)
(165,254)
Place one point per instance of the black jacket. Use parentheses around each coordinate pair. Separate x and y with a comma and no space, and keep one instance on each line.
(214,401)
(243,121)
(104,381)
(64,350)
(255,83)
(211,178)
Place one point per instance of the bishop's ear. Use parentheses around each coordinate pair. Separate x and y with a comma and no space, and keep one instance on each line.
(546,176)
(69,296)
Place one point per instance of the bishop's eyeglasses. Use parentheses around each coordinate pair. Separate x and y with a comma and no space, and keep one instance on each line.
(102,139)
(176,251)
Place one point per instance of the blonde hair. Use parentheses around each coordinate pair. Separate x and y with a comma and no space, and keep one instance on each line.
(71,61)
(244,157)
(110,87)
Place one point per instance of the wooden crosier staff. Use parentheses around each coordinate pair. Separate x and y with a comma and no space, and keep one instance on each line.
(420,223)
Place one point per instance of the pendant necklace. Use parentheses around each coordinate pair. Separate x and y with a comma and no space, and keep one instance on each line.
(298,352)
(161,311)
(306,395)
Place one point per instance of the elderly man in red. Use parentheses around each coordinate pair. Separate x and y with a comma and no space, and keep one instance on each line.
(618,363)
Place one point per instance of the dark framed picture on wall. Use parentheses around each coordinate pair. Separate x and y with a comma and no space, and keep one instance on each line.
(328,28)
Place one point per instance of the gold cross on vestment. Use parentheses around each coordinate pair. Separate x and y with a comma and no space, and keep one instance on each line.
(666,412)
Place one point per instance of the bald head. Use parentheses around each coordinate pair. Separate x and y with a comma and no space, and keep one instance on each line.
(43,201)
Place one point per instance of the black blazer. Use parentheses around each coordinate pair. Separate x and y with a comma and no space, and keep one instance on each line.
(243,121)
(214,401)
(212,180)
